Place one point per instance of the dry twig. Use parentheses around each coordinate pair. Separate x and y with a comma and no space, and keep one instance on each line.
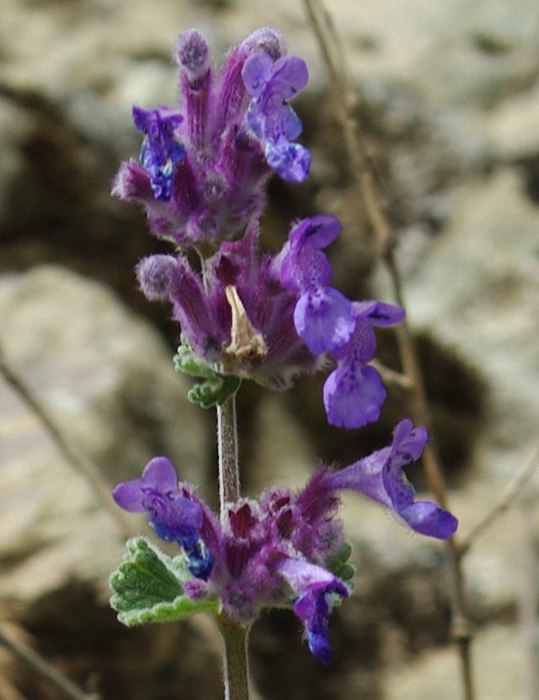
(11,638)
(507,499)
(83,464)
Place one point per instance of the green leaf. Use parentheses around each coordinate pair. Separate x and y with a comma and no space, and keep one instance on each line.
(216,387)
(148,586)
(338,565)
(178,609)
(214,391)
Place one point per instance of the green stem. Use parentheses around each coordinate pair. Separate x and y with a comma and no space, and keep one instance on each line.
(236,664)
(236,671)
(227,440)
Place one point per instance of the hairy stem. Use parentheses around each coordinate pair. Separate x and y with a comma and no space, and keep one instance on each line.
(227,444)
(236,671)
(234,634)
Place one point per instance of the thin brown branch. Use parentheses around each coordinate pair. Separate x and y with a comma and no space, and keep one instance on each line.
(509,496)
(391,377)
(70,451)
(528,595)
(364,177)
(345,101)
(10,637)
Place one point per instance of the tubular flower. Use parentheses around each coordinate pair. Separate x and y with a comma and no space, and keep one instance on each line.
(354,392)
(329,322)
(272,84)
(380,476)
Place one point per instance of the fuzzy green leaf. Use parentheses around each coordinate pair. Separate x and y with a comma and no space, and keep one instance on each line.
(338,563)
(148,586)
(216,387)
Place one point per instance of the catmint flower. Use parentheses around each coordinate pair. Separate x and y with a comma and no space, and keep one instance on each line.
(322,316)
(272,84)
(204,165)
(380,476)
(269,318)
(278,550)
(354,393)
(327,321)
(173,516)
(161,149)
(317,589)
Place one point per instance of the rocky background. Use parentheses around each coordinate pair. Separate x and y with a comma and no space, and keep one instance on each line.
(449,106)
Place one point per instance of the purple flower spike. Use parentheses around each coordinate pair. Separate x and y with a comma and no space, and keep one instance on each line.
(380,476)
(160,150)
(270,117)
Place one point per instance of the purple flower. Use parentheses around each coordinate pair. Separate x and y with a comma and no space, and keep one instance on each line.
(354,392)
(239,318)
(271,84)
(323,319)
(323,316)
(161,150)
(380,476)
(268,552)
(316,589)
(173,516)
(327,321)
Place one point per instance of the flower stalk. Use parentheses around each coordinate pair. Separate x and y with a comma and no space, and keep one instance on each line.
(234,634)
(227,446)
(236,669)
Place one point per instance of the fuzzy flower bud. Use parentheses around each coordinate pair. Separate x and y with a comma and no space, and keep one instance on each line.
(192,54)
(156,275)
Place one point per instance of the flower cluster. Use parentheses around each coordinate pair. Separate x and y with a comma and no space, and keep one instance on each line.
(201,177)
(203,166)
(278,550)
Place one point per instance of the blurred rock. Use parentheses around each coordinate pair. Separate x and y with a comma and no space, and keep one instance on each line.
(499,664)
(106,379)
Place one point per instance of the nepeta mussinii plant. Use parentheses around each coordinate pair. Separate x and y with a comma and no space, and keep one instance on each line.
(248,315)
